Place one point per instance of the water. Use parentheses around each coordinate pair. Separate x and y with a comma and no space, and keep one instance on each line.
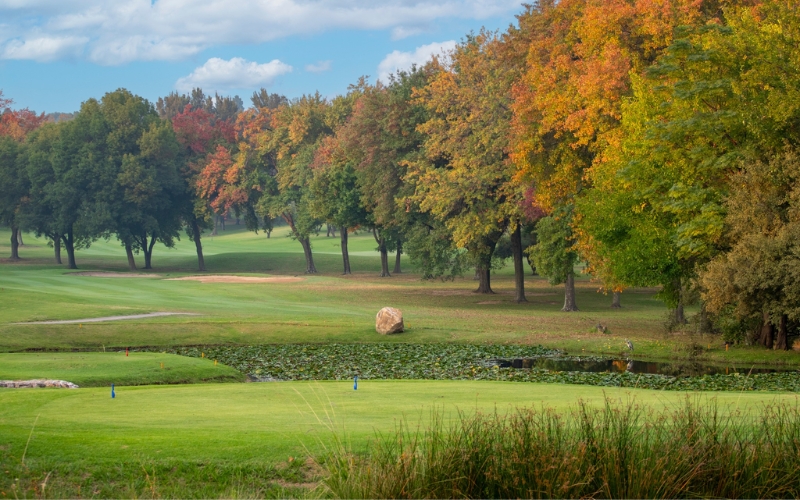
(676,369)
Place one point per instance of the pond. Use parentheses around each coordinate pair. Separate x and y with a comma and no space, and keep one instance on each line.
(595,365)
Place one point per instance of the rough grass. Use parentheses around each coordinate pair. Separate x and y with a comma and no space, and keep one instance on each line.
(614,451)
(94,369)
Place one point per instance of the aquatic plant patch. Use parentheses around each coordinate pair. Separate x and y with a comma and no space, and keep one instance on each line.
(452,362)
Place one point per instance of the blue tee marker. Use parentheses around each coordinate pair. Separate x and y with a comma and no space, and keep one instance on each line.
(355,383)
(112,392)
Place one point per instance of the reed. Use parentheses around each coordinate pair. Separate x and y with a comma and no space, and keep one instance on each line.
(619,450)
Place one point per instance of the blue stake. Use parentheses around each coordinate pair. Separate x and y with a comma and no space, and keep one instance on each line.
(355,383)
(112,392)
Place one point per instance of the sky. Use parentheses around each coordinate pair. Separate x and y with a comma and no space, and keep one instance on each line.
(55,54)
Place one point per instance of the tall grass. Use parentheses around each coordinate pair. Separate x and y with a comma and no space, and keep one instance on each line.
(614,451)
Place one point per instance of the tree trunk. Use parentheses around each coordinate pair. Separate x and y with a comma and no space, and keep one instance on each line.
(14,243)
(397,257)
(216,223)
(306,243)
(19,237)
(569,294)
(201,263)
(147,248)
(615,300)
(484,280)
(767,332)
(129,253)
(678,315)
(57,248)
(345,254)
(477,276)
(384,253)
(519,268)
(69,245)
(782,342)
(222,221)
(269,232)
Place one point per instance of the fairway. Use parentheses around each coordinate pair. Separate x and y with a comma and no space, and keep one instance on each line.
(270,421)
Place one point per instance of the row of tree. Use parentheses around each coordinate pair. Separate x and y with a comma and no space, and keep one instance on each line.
(654,140)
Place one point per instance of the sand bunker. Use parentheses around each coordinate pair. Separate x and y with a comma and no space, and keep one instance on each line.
(239,279)
(107,318)
(106,274)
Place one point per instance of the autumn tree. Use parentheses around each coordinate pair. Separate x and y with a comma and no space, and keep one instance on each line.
(334,194)
(580,57)
(466,176)
(199,132)
(718,95)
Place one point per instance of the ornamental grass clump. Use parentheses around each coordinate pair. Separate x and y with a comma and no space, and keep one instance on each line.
(615,451)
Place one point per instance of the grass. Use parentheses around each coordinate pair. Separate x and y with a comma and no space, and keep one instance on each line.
(322,308)
(84,437)
(620,450)
(94,369)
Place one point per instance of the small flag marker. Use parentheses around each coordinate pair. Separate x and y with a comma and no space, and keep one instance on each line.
(162,366)
(126,351)
(202,355)
(112,392)
(80,325)
(215,362)
(355,383)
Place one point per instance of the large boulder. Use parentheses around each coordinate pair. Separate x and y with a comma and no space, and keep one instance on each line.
(389,320)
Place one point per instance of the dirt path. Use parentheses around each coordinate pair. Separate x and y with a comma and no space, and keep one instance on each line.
(107,318)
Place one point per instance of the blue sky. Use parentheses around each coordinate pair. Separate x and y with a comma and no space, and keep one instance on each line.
(54,54)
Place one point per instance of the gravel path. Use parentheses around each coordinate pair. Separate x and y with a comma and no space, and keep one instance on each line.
(107,318)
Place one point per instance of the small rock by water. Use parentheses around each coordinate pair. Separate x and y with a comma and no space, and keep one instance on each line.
(389,320)
(19,384)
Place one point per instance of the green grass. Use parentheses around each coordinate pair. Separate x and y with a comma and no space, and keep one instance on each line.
(93,369)
(85,431)
(322,308)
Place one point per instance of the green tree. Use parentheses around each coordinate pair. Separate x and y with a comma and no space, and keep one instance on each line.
(13,189)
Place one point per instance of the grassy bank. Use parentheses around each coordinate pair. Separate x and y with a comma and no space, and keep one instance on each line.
(95,369)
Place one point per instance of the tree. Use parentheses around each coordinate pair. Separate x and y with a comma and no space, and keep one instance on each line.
(13,189)
(554,255)
(268,174)
(199,132)
(263,99)
(15,125)
(719,94)
(67,165)
(758,276)
(146,196)
(466,176)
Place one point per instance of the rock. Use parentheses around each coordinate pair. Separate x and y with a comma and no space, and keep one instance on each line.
(19,384)
(389,320)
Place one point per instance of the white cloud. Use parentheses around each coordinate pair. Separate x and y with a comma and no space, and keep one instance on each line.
(319,67)
(400,32)
(404,60)
(218,75)
(116,32)
(44,48)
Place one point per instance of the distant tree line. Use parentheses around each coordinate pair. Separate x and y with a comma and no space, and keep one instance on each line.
(656,142)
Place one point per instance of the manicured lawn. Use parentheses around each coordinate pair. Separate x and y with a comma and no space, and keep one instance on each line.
(269,421)
(93,369)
